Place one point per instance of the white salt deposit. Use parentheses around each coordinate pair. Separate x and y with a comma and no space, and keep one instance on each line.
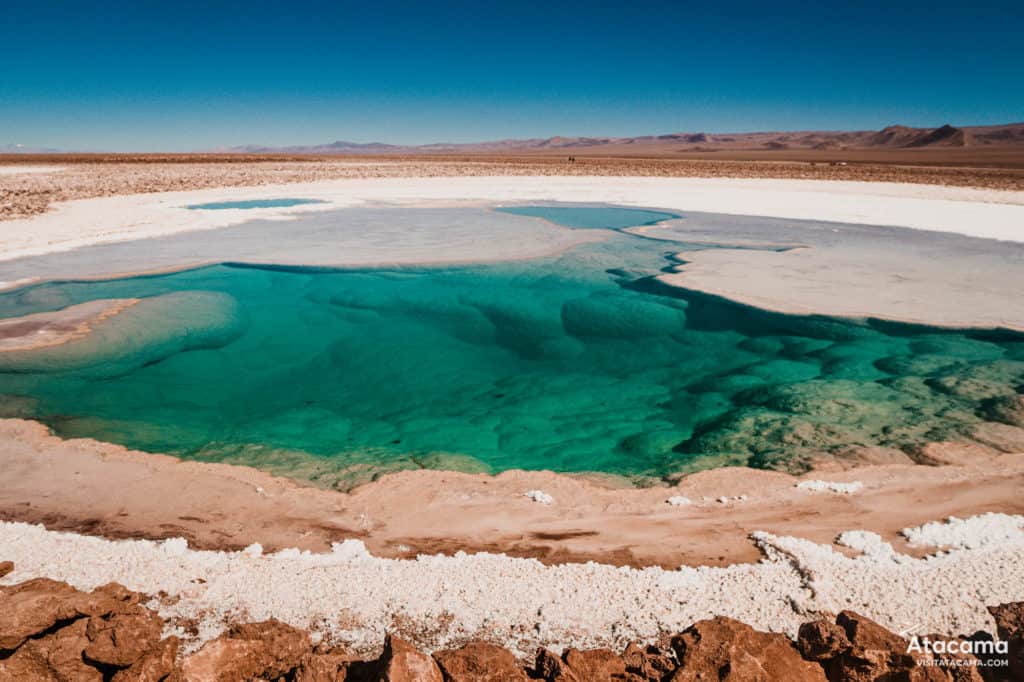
(349,596)
(678,501)
(539,496)
(978,531)
(831,487)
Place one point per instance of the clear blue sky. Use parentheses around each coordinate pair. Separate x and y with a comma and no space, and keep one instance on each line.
(184,75)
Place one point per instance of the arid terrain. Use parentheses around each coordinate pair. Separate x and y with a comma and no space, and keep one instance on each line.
(996,163)
(212,551)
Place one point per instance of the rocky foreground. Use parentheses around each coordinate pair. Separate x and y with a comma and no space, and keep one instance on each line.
(51,631)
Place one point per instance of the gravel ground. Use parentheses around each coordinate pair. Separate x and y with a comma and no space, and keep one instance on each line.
(31,192)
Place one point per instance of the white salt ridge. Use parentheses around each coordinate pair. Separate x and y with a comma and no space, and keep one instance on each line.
(831,487)
(348,596)
(539,496)
(973,533)
(678,501)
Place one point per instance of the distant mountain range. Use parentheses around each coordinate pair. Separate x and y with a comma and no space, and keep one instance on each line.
(1004,139)
(892,137)
(25,149)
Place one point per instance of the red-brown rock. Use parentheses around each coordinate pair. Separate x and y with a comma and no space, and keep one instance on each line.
(33,607)
(1009,619)
(821,640)
(876,654)
(402,662)
(269,649)
(56,656)
(154,666)
(596,665)
(551,668)
(726,649)
(1010,627)
(121,639)
(323,667)
(647,662)
(6,567)
(479,662)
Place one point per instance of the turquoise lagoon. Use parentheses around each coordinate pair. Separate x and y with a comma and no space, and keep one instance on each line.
(253,203)
(582,362)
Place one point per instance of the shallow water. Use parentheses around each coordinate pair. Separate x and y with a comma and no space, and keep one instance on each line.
(581,362)
(253,203)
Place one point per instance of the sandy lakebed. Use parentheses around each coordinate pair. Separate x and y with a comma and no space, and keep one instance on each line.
(443,557)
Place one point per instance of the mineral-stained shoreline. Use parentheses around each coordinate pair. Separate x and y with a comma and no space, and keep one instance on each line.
(87,176)
(49,630)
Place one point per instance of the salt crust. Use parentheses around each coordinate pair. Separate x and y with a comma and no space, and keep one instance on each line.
(831,487)
(349,596)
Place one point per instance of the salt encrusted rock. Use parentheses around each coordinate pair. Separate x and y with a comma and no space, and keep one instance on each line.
(122,638)
(678,501)
(6,567)
(479,662)
(154,666)
(726,649)
(269,649)
(647,663)
(33,607)
(821,640)
(401,662)
(55,656)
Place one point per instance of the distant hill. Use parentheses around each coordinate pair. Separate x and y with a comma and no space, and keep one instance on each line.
(24,149)
(891,137)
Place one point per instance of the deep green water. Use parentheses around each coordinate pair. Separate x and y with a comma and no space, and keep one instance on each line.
(577,363)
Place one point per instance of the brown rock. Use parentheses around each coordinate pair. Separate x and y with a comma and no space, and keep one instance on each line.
(56,656)
(33,607)
(269,649)
(551,668)
(6,567)
(156,665)
(875,654)
(401,662)
(1010,627)
(1009,619)
(595,665)
(821,640)
(479,662)
(957,667)
(323,667)
(726,649)
(121,639)
(647,663)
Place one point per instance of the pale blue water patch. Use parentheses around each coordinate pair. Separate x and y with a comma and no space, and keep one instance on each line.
(580,362)
(254,203)
(592,217)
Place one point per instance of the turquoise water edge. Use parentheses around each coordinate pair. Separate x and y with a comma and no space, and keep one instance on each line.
(577,363)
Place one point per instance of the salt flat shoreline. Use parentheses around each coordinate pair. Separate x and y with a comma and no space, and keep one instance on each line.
(984,213)
(97,488)
(818,281)
(748,539)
